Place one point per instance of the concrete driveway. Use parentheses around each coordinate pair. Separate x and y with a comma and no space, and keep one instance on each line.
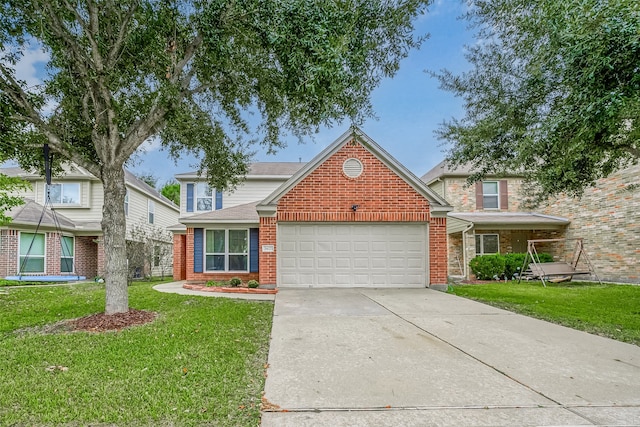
(418,357)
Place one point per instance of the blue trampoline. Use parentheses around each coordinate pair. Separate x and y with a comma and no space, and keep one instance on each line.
(26,278)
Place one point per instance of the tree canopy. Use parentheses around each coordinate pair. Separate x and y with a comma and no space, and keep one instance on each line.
(193,73)
(553,92)
(171,190)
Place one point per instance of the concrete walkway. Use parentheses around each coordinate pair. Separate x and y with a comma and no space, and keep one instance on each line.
(424,358)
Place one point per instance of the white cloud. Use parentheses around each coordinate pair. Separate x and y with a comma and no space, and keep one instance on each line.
(30,68)
(151,144)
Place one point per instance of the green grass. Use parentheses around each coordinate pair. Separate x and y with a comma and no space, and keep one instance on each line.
(608,310)
(200,363)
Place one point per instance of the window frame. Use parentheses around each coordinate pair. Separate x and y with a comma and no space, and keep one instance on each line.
(226,252)
(491,195)
(151,211)
(126,203)
(210,197)
(43,256)
(73,253)
(62,185)
(482,245)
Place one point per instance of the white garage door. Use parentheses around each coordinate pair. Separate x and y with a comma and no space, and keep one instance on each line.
(352,255)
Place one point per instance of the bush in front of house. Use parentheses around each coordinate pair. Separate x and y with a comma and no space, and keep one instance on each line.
(235,282)
(487,267)
(253,284)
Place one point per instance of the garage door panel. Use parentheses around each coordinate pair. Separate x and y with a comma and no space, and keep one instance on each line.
(352,254)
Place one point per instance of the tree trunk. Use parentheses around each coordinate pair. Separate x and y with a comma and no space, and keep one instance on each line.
(114,238)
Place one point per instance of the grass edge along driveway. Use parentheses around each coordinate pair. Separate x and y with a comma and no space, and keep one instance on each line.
(609,310)
(201,362)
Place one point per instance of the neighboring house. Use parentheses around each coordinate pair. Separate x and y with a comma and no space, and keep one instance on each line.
(69,241)
(607,216)
(353,216)
(487,217)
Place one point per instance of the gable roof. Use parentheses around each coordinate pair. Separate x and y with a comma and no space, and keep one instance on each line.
(443,169)
(438,204)
(263,170)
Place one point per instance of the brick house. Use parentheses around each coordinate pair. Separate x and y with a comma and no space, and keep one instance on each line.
(353,216)
(488,218)
(67,241)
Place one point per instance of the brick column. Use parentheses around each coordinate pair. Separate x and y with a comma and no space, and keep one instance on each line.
(268,260)
(101,260)
(438,256)
(52,254)
(189,274)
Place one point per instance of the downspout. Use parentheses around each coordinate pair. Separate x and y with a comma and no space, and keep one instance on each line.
(464,250)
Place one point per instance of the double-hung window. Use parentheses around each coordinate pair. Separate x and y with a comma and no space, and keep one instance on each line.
(227,250)
(487,244)
(66,254)
(31,259)
(67,193)
(204,197)
(490,195)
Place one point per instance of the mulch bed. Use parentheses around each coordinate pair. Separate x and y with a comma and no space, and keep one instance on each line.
(228,290)
(102,322)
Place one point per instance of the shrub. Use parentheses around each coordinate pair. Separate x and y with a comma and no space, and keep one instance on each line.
(235,281)
(253,283)
(214,283)
(487,267)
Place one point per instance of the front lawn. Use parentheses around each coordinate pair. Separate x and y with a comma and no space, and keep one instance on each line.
(200,363)
(608,310)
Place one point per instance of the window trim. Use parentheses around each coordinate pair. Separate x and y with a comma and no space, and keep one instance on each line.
(73,253)
(151,211)
(62,185)
(482,252)
(126,203)
(44,255)
(496,195)
(226,250)
(197,197)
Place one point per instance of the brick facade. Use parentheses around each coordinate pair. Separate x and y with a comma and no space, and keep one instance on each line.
(608,218)
(179,254)
(327,195)
(268,261)
(86,259)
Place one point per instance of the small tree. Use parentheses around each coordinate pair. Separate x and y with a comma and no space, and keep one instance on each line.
(171,191)
(8,186)
(148,247)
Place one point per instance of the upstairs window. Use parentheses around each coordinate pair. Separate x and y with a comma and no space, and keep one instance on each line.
(67,193)
(490,195)
(204,197)
(152,211)
(126,203)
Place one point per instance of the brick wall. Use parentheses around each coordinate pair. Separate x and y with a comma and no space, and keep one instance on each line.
(86,256)
(463,196)
(8,252)
(608,218)
(438,258)
(52,254)
(328,195)
(267,262)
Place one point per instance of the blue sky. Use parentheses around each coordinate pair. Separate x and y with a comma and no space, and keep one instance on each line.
(410,107)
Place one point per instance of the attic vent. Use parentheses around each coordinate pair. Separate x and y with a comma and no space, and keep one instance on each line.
(352,168)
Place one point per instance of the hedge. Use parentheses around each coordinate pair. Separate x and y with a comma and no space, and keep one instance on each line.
(487,267)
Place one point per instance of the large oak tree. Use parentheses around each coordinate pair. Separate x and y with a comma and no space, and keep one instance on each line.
(190,72)
(553,92)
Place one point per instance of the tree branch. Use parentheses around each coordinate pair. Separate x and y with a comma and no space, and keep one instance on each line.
(116,50)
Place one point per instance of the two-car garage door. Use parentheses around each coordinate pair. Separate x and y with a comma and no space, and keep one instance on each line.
(352,254)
